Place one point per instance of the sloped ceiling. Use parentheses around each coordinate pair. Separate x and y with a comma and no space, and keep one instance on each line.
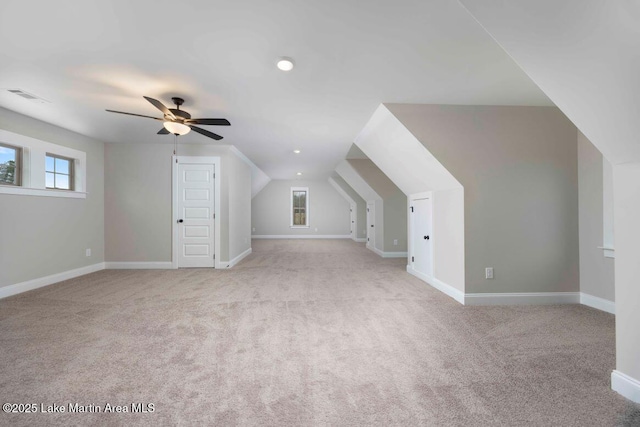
(584,55)
(374,177)
(85,56)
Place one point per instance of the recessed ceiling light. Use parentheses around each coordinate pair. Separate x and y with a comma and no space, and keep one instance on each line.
(285,63)
(296,151)
(299,173)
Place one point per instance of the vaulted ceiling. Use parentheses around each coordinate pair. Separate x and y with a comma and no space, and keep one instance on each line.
(84,57)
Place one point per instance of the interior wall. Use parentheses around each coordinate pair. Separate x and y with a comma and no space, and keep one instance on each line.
(596,271)
(361,206)
(240,193)
(448,237)
(329,213)
(626,196)
(395,223)
(42,236)
(518,167)
(138,200)
(391,211)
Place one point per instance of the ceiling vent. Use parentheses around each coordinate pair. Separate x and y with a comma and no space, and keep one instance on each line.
(27,95)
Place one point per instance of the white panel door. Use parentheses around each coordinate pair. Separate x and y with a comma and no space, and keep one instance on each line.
(195,215)
(371,232)
(421,235)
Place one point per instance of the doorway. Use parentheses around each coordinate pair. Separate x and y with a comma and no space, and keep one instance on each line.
(196,196)
(421,236)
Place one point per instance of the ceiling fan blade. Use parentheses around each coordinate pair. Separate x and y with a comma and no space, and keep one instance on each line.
(131,114)
(163,131)
(206,133)
(160,106)
(213,122)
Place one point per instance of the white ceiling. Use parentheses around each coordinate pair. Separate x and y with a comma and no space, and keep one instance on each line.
(584,55)
(85,56)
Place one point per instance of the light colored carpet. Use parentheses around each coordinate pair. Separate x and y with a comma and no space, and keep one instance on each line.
(302,332)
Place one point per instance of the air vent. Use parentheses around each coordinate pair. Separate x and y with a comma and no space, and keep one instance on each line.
(27,95)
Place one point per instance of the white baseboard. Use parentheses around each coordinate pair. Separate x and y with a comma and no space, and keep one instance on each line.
(439,285)
(162,265)
(388,254)
(360,239)
(302,236)
(598,303)
(29,285)
(233,262)
(524,298)
(626,386)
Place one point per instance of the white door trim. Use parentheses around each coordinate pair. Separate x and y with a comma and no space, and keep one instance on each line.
(410,236)
(174,203)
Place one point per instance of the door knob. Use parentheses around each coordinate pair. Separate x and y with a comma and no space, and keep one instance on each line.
(426,237)
(180,220)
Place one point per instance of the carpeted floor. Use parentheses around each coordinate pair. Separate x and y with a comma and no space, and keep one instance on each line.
(302,332)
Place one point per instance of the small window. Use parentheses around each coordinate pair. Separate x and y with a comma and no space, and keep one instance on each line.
(299,207)
(59,172)
(10,164)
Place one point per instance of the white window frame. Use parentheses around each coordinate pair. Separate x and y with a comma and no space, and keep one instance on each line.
(18,161)
(307,216)
(32,171)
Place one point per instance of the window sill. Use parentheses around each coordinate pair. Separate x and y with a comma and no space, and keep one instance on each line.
(298,226)
(22,191)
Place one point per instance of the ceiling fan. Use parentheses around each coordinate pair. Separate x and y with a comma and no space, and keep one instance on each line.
(179,122)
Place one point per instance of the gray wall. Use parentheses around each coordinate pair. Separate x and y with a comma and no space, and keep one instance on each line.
(239,205)
(361,206)
(328,210)
(138,201)
(596,271)
(518,166)
(394,211)
(395,222)
(48,235)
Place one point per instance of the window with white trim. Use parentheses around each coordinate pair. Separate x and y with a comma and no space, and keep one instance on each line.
(32,167)
(10,165)
(299,207)
(59,172)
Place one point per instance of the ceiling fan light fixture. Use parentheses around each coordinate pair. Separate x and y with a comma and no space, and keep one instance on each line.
(285,63)
(177,128)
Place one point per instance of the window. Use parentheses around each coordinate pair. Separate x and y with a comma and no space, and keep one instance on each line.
(59,172)
(32,167)
(299,207)
(10,164)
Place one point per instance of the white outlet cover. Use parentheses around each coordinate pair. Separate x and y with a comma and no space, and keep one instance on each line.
(488,273)
(87,252)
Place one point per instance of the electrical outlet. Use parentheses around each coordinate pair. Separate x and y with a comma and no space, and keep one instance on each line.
(87,252)
(488,273)
(253,229)
(316,228)
(395,242)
